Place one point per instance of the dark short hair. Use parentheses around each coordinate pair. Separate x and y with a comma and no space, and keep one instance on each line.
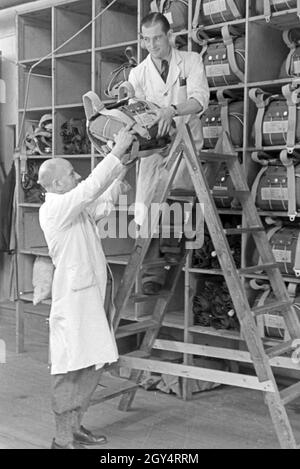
(156,18)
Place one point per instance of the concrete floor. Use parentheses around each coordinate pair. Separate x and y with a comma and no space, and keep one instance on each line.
(223,418)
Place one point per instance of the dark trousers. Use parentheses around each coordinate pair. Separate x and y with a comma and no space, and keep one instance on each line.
(71,395)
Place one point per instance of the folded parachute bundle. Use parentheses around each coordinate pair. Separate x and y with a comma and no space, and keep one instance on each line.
(103,123)
(74,136)
(206,257)
(38,141)
(214,307)
(33,192)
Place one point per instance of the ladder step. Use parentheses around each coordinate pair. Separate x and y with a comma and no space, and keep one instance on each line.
(141,298)
(290,394)
(258,268)
(216,157)
(154,263)
(220,194)
(255,229)
(280,349)
(276,306)
(113,391)
(135,328)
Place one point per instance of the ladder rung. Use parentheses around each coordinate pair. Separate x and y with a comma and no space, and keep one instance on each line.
(280,349)
(135,328)
(113,391)
(219,194)
(290,394)
(233,231)
(216,157)
(276,306)
(258,268)
(140,298)
(154,263)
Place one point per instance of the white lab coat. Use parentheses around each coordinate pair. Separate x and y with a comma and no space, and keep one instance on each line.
(185,67)
(80,335)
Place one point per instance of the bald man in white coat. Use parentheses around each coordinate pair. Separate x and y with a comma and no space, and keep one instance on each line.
(81,338)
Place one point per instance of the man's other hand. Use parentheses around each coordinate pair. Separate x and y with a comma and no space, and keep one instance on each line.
(123,141)
(164,120)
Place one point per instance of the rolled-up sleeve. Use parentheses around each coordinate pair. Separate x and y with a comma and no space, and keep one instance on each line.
(197,85)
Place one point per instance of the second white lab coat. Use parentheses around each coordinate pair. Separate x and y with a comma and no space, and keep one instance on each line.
(80,335)
(186,80)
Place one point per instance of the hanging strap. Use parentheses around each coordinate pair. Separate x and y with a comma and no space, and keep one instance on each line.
(297,258)
(224,103)
(197,14)
(292,99)
(154,6)
(291,183)
(234,9)
(262,100)
(267,10)
(229,43)
(292,46)
(255,185)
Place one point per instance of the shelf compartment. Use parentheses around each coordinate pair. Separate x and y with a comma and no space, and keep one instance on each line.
(106,64)
(69,19)
(118,24)
(32,236)
(40,86)
(266,65)
(73,78)
(35,34)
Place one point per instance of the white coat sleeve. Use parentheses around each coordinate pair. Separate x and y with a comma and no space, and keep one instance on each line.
(104,205)
(197,85)
(135,79)
(69,205)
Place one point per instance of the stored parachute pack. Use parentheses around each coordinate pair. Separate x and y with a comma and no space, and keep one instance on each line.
(277,185)
(223,58)
(291,66)
(272,325)
(267,7)
(285,244)
(217,11)
(176,12)
(103,123)
(278,117)
(226,114)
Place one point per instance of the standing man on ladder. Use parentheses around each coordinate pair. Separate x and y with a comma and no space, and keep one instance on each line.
(176,81)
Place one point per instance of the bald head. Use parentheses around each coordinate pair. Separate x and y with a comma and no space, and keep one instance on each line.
(57,175)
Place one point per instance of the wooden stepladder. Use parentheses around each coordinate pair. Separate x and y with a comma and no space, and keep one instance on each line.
(203,177)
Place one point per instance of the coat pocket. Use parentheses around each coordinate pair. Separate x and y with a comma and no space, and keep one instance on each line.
(82,276)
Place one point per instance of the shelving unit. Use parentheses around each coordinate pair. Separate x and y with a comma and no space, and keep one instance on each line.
(85,63)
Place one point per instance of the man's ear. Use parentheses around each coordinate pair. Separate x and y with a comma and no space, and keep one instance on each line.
(172,38)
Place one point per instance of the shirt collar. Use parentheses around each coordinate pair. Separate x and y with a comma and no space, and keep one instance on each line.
(158,62)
